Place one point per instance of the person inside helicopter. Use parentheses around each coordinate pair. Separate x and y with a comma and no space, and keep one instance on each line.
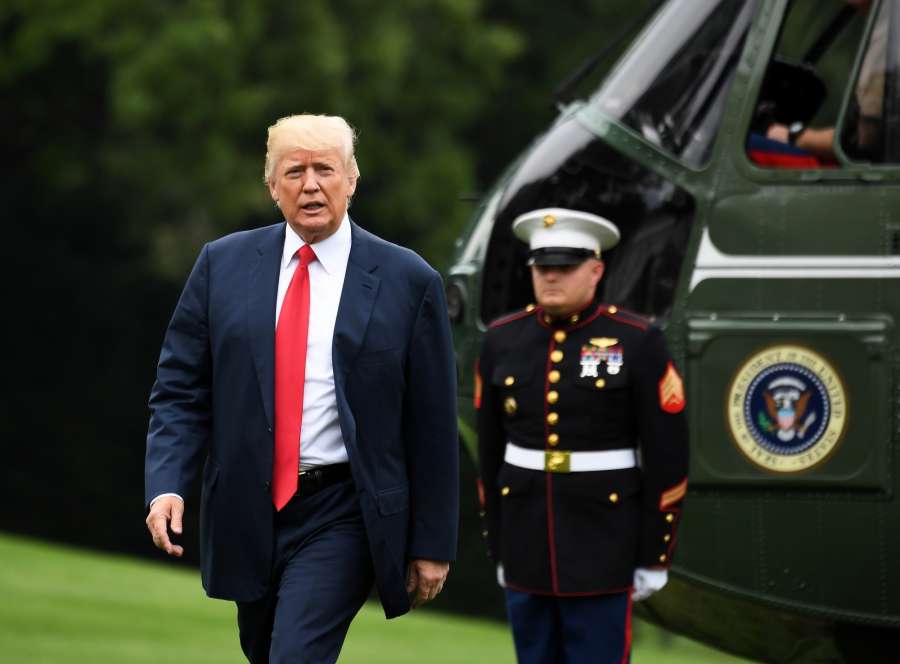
(783,135)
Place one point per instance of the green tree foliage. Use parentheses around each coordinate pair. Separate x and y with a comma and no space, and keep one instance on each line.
(159,108)
(558,38)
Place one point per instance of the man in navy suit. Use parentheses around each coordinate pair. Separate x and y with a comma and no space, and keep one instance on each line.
(309,369)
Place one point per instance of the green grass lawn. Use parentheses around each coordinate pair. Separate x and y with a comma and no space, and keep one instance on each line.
(62,605)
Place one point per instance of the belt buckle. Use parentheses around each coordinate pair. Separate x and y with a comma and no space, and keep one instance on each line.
(557,461)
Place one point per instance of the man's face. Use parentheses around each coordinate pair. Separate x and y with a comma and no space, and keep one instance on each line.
(562,289)
(312,188)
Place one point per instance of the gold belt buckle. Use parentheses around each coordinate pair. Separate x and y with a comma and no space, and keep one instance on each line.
(557,461)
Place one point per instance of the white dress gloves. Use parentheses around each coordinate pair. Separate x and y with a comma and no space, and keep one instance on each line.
(647,582)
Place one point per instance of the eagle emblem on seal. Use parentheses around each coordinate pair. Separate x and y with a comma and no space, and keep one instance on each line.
(787,400)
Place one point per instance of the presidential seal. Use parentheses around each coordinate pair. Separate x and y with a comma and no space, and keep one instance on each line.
(787,409)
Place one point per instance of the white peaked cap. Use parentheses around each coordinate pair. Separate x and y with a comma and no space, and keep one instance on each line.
(552,228)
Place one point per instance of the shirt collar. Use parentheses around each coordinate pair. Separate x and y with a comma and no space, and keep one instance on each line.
(332,252)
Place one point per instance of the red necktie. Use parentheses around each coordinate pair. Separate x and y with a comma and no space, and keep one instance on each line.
(290,374)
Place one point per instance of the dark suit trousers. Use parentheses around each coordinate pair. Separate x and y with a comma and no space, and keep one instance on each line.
(322,574)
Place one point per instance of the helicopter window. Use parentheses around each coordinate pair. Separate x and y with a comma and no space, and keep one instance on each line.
(869,132)
(793,125)
(572,168)
(671,86)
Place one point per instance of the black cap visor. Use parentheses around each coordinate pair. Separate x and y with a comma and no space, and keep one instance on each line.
(559,256)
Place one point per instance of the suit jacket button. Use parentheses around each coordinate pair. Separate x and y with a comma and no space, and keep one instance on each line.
(266,487)
(269,429)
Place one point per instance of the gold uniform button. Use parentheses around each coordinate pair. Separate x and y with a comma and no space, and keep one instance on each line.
(556,356)
(504,491)
(559,336)
(552,418)
(552,396)
(510,405)
(670,518)
(553,376)
(663,558)
(553,439)
(548,318)
(600,383)
(613,497)
(574,318)
(549,220)
(612,310)
(666,538)
(530,307)
(509,380)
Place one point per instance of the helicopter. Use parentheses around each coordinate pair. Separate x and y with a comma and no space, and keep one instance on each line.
(774,272)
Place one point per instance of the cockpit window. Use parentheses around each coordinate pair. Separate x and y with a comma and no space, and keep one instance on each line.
(572,168)
(672,85)
(794,119)
(870,128)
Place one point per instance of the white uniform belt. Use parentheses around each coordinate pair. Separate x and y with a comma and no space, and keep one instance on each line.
(562,461)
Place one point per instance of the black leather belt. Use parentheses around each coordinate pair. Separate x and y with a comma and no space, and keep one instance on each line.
(315,479)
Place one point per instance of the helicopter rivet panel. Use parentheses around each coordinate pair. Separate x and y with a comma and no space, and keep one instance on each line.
(780,393)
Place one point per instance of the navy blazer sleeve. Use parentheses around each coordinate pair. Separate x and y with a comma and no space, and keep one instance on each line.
(430,432)
(180,410)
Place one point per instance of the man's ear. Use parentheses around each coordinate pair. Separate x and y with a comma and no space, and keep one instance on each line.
(597,272)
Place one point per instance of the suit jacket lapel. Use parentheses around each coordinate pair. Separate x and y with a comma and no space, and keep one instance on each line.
(262,293)
(357,301)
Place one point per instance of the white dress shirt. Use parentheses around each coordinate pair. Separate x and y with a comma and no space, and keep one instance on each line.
(321,442)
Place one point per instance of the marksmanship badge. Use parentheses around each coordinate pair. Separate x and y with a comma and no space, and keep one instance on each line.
(787,409)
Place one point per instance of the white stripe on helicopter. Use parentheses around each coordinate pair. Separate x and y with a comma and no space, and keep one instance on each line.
(713,264)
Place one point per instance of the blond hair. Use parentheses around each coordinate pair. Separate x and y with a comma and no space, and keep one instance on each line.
(310,132)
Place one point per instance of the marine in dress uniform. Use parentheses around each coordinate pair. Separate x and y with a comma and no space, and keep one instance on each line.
(583,453)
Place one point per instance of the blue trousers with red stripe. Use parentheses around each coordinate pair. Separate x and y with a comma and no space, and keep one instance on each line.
(570,630)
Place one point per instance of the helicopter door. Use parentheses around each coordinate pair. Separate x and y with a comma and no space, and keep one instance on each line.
(793,300)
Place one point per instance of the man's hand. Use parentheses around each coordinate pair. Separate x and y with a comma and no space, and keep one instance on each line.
(778,132)
(165,511)
(426,580)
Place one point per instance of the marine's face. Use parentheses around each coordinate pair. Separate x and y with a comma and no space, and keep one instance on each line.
(313,189)
(563,289)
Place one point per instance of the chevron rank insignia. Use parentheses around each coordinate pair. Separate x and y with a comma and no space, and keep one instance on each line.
(671,391)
